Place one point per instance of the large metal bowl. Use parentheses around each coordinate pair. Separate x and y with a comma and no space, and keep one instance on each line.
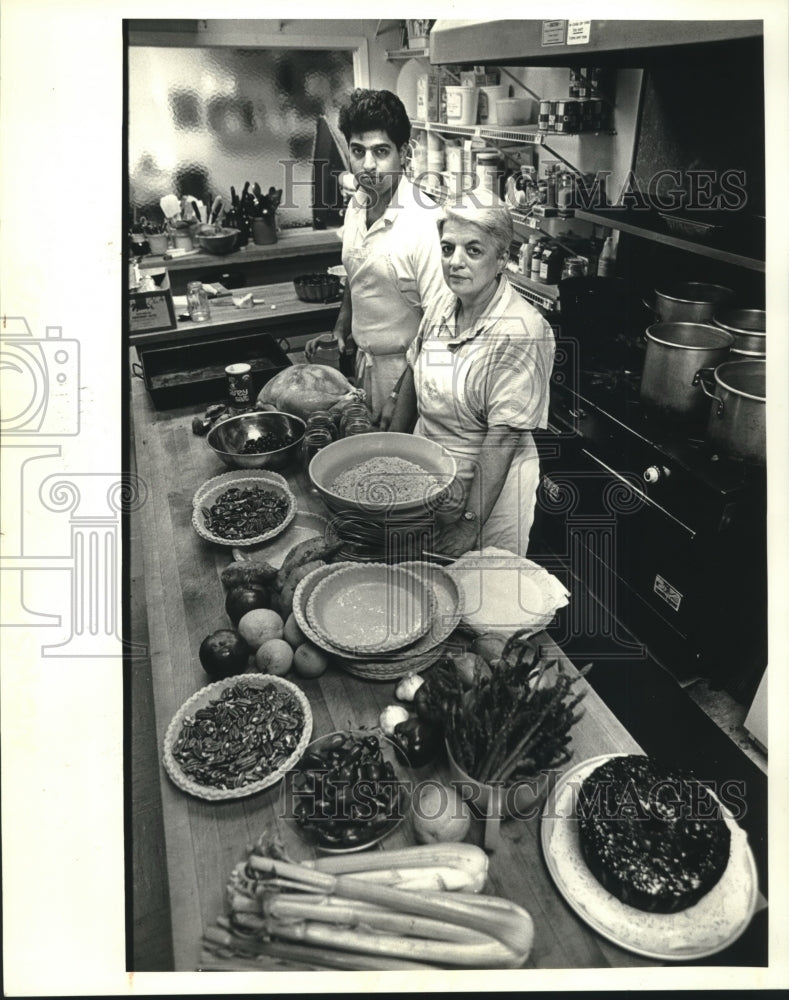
(228,437)
(347,453)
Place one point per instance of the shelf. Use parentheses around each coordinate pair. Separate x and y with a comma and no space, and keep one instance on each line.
(528,134)
(623,220)
(408,53)
(511,133)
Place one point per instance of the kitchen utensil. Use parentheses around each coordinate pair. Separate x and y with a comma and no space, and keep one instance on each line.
(749,327)
(228,437)
(690,301)
(196,211)
(714,923)
(215,209)
(675,352)
(736,425)
(317,287)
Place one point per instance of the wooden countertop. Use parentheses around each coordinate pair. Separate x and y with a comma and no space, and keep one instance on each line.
(277,305)
(185,601)
(290,243)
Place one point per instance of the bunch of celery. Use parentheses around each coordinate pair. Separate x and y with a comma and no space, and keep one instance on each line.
(366,911)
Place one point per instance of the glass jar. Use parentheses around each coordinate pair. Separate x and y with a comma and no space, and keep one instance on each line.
(322,419)
(355,415)
(197,301)
(575,267)
(314,439)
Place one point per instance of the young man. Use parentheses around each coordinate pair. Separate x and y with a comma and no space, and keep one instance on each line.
(390,248)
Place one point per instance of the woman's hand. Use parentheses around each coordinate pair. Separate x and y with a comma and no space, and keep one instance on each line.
(454,539)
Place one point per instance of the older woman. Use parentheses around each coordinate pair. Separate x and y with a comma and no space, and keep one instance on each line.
(478,382)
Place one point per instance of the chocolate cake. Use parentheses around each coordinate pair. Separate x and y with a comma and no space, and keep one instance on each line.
(653,837)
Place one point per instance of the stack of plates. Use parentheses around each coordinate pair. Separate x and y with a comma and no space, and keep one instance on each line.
(378,621)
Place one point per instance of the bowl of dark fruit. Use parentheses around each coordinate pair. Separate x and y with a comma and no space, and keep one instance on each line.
(347,793)
(257,440)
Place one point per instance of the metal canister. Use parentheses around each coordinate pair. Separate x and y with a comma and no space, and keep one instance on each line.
(239,385)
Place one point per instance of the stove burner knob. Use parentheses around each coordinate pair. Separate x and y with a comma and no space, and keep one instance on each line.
(652,473)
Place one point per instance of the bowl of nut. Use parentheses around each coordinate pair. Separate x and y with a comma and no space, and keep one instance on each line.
(243,509)
(257,440)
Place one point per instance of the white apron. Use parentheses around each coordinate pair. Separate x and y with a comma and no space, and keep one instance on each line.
(384,323)
(445,417)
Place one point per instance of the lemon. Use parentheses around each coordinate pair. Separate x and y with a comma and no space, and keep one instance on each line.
(309,661)
(293,633)
(274,656)
(260,624)
(440,815)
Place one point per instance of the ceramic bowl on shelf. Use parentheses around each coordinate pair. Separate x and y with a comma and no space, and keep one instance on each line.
(219,243)
(257,440)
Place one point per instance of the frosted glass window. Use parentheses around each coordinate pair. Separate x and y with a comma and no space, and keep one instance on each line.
(201,120)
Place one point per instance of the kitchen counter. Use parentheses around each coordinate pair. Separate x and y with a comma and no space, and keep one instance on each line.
(185,601)
(297,251)
(278,311)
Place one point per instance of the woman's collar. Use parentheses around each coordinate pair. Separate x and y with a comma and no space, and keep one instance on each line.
(494,310)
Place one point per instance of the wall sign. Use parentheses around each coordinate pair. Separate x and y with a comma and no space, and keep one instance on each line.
(578,32)
(553,32)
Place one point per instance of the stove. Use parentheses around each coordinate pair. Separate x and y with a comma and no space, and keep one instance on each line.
(666,534)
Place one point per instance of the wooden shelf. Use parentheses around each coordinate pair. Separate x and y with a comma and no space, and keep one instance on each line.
(626,221)
(408,53)
(291,243)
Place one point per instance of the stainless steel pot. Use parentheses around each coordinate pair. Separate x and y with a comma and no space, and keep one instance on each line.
(736,425)
(690,301)
(749,327)
(675,353)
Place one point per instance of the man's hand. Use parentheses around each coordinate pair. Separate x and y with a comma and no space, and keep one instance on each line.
(312,345)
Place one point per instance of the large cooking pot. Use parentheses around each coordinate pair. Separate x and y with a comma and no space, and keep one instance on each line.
(690,301)
(675,353)
(736,424)
(749,327)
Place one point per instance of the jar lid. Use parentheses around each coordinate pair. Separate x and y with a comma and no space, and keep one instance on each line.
(239,369)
